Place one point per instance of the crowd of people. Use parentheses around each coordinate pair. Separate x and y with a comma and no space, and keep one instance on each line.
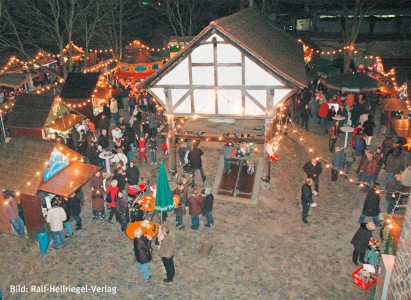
(361,157)
(110,197)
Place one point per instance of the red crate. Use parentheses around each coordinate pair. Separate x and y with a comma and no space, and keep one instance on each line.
(360,283)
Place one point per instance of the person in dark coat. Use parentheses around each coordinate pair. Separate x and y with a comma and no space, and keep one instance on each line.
(103,139)
(329,119)
(75,135)
(208,207)
(133,174)
(70,142)
(313,169)
(142,252)
(194,157)
(305,116)
(394,188)
(74,209)
(104,122)
(334,133)
(122,211)
(132,103)
(369,129)
(92,154)
(371,207)
(342,111)
(337,163)
(394,163)
(121,177)
(180,209)
(360,241)
(306,198)
(82,145)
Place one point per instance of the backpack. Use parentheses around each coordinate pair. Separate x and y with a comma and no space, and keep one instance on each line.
(109,198)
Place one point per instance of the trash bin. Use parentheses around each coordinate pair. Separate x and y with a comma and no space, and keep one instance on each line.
(42,235)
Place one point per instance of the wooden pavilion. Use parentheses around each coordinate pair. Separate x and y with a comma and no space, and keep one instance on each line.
(240,67)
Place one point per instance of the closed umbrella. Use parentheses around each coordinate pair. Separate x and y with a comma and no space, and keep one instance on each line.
(356,83)
(164,198)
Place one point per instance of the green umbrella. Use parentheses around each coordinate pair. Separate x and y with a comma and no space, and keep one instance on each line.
(164,198)
(356,83)
(320,63)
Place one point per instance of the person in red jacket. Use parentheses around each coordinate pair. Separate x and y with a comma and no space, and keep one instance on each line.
(112,190)
(323,113)
(142,148)
(194,203)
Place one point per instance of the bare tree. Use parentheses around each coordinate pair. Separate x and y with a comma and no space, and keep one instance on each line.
(184,16)
(351,22)
(53,22)
(91,15)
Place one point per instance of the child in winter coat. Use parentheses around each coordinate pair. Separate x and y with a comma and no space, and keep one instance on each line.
(97,204)
(142,148)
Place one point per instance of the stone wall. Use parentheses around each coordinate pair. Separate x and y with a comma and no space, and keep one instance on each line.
(400,284)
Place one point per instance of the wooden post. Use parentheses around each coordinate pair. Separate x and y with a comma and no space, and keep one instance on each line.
(172,166)
(266,162)
(215,75)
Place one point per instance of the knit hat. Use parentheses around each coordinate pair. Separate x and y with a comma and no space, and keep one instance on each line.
(370,226)
(114,182)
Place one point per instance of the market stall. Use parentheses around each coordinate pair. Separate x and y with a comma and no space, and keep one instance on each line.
(39,168)
(78,92)
(40,116)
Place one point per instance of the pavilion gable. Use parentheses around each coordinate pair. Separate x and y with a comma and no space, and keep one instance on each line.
(219,74)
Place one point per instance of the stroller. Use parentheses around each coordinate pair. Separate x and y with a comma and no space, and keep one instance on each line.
(187,168)
(134,192)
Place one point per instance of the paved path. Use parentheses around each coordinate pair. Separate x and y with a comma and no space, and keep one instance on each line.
(262,251)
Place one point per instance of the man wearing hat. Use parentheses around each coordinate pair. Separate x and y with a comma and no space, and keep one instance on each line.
(361,240)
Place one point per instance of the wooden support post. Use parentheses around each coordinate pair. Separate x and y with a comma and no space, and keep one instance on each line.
(172,166)
(215,75)
(266,161)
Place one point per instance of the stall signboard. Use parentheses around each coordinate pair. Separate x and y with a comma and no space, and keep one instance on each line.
(57,162)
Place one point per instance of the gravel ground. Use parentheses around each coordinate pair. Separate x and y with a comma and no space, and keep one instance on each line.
(262,250)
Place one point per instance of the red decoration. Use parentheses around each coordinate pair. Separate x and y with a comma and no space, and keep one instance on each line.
(274,157)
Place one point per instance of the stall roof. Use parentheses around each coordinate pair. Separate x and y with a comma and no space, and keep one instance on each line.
(30,111)
(79,85)
(70,179)
(21,158)
(13,80)
(65,122)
